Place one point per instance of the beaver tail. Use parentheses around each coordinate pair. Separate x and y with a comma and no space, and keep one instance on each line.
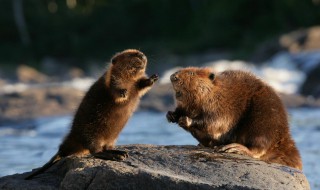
(51,162)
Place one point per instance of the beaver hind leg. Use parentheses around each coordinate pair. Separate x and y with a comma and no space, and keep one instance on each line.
(115,155)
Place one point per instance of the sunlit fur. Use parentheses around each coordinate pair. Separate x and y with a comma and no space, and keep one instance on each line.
(106,107)
(234,107)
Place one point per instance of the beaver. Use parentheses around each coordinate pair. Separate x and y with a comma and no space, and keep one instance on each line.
(105,109)
(235,112)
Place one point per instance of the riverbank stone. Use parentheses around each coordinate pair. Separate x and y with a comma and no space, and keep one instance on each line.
(163,167)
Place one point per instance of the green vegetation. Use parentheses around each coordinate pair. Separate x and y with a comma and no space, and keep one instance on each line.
(94,29)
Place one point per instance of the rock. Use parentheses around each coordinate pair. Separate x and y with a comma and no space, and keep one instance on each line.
(296,100)
(28,74)
(35,102)
(75,72)
(163,167)
(2,82)
(302,40)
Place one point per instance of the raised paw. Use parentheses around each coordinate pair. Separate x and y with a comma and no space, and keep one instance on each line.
(115,155)
(185,121)
(233,148)
(154,78)
(171,117)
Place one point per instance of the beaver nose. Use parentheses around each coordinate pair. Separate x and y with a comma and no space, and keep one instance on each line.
(144,57)
(140,55)
(173,77)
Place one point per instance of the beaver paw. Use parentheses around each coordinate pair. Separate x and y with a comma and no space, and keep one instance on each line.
(154,78)
(123,93)
(171,117)
(115,155)
(234,148)
(185,122)
(148,82)
(122,96)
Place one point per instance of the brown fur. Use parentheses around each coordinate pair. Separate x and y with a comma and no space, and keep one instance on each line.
(106,108)
(234,111)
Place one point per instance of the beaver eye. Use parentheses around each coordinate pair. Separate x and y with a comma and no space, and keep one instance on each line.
(113,61)
(211,76)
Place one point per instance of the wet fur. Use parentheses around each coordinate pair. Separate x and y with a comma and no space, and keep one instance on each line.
(106,107)
(234,111)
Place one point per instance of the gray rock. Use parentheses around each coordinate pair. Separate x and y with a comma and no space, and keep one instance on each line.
(28,74)
(163,167)
(36,102)
(302,40)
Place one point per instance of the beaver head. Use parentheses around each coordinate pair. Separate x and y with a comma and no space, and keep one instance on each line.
(193,85)
(128,65)
(125,69)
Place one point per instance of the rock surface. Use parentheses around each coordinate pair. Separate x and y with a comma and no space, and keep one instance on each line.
(163,167)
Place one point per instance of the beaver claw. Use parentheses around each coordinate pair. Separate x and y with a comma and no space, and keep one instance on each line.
(233,148)
(115,155)
(171,117)
(154,78)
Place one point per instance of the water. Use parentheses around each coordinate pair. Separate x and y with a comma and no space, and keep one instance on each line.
(24,148)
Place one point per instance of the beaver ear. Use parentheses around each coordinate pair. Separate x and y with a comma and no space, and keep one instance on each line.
(211,76)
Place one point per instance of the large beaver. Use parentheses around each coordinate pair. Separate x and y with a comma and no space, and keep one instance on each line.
(233,111)
(105,109)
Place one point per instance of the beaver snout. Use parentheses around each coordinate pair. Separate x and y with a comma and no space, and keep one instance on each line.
(141,56)
(173,77)
(144,58)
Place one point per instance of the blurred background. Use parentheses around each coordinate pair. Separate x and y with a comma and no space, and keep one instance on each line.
(51,51)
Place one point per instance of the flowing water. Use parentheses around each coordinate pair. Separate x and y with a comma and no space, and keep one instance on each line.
(30,145)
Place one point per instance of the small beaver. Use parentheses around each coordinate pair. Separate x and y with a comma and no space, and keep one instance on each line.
(235,112)
(105,109)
